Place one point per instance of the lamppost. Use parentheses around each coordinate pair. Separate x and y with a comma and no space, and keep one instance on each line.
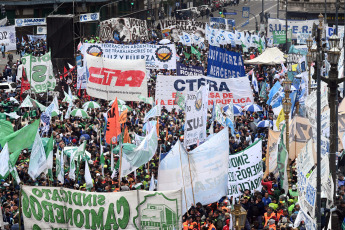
(287,108)
(309,60)
(240,216)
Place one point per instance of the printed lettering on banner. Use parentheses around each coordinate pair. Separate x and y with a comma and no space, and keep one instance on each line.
(224,64)
(89,17)
(296,26)
(245,170)
(218,23)
(156,56)
(173,29)
(35,38)
(192,70)
(85,210)
(81,78)
(310,199)
(109,78)
(302,38)
(272,149)
(309,223)
(8,37)
(123,30)
(41,30)
(221,91)
(196,116)
(19,22)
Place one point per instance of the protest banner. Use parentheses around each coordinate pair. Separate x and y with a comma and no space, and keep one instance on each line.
(272,153)
(81,78)
(123,30)
(302,38)
(109,78)
(279,37)
(35,38)
(218,23)
(19,22)
(39,72)
(221,91)
(41,30)
(196,117)
(204,168)
(183,70)
(89,17)
(86,210)
(174,28)
(8,37)
(224,64)
(156,56)
(245,170)
(296,26)
(309,222)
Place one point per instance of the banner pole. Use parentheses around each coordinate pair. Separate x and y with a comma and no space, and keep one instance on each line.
(184,188)
(120,159)
(191,179)
(20,206)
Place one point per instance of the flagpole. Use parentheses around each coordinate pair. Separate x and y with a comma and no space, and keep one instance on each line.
(184,187)
(191,179)
(20,205)
(120,159)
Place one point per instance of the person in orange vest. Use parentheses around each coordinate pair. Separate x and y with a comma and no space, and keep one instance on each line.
(268,215)
(272,224)
(188,224)
(209,225)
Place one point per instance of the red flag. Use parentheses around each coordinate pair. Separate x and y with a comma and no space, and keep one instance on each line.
(65,72)
(25,84)
(113,125)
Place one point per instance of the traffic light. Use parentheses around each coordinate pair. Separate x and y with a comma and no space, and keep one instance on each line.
(132,3)
(220,12)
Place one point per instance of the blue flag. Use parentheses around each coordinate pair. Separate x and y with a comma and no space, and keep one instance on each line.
(275,96)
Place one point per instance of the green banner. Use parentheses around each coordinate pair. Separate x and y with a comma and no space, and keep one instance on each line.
(279,37)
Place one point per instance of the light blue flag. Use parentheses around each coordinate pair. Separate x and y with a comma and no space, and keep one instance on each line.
(230,124)
(276,95)
(187,39)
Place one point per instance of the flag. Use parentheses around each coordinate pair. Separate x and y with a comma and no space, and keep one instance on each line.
(263,90)
(180,100)
(282,161)
(123,117)
(60,170)
(280,118)
(49,155)
(38,159)
(4,162)
(152,183)
(187,55)
(20,140)
(126,138)
(87,176)
(275,97)
(26,103)
(196,52)
(6,128)
(255,83)
(80,46)
(147,100)
(113,124)
(154,112)
(157,128)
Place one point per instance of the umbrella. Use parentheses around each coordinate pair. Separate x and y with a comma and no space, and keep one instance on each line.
(164,41)
(67,99)
(237,110)
(91,105)
(265,124)
(252,108)
(79,113)
(119,102)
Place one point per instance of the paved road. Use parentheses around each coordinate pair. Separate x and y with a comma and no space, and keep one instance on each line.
(270,6)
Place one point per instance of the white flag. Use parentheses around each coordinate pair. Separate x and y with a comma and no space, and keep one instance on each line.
(60,167)
(38,160)
(4,162)
(255,83)
(71,174)
(152,183)
(87,177)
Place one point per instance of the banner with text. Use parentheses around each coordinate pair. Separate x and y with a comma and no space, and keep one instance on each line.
(221,91)
(156,56)
(192,70)
(81,77)
(224,64)
(8,37)
(89,17)
(123,30)
(245,170)
(174,28)
(55,208)
(19,22)
(296,26)
(218,23)
(110,79)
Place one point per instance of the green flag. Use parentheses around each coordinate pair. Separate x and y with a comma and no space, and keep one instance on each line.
(36,104)
(38,159)
(187,55)
(20,140)
(196,52)
(147,100)
(263,90)
(6,166)
(180,100)
(49,154)
(282,161)
(6,128)
(77,155)
(60,174)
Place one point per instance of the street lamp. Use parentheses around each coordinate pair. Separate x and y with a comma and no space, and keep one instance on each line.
(240,216)
(309,60)
(287,108)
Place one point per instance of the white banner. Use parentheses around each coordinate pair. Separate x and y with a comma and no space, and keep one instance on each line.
(196,117)
(156,56)
(123,30)
(19,22)
(154,112)
(85,210)
(81,78)
(89,17)
(206,166)
(221,91)
(41,30)
(310,223)
(35,38)
(173,29)
(296,26)
(245,170)
(110,79)
(8,37)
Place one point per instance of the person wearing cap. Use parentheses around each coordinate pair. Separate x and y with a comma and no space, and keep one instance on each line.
(269,215)
(272,224)
(293,191)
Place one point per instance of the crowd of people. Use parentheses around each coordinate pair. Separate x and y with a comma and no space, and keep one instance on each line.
(270,208)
